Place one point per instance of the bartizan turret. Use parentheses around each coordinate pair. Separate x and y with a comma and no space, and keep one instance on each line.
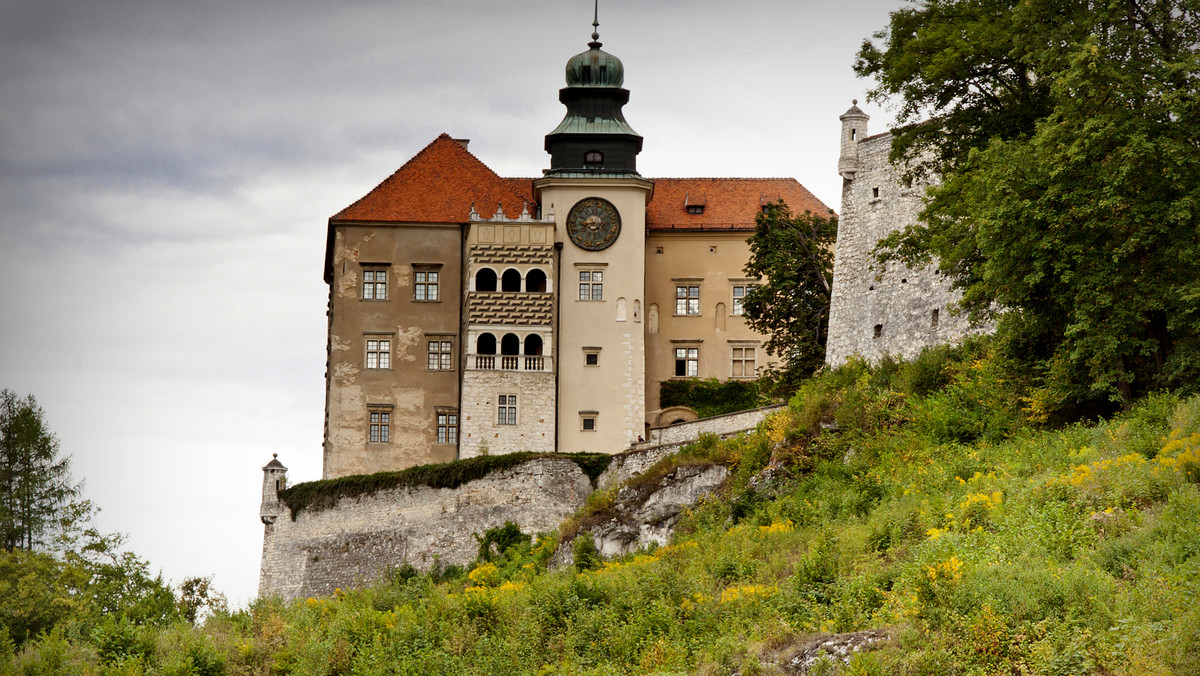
(854,129)
(274,481)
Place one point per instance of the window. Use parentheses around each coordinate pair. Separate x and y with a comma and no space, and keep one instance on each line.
(374,285)
(591,359)
(439,355)
(380,426)
(687,361)
(743,361)
(695,208)
(425,285)
(593,157)
(379,353)
(589,424)
(447,427)
(506,412)
(739,295)
(687,300)
(591,285)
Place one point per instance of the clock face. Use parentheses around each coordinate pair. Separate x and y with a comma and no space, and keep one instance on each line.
(593,224)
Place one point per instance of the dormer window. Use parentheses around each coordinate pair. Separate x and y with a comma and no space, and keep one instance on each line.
(695,208)
(593,157)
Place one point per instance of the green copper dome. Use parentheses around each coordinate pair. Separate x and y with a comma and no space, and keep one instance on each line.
(595,68)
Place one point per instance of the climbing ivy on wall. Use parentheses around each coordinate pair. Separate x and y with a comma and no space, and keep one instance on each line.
(710,396)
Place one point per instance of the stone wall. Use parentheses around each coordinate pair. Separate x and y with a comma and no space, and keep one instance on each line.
(534,431)
(359,539)
(877,310)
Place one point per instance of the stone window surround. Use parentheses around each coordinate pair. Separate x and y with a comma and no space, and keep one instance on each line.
(426,286)
(694,360)
(444,355)
(383,353)
(588,416)
(379,423)
(446,421)
(590,267)
(688,283)
(591,356)
(375,270)
(744,283)
(507,409)
(750,360)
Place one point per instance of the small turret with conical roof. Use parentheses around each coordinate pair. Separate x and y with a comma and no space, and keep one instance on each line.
(594,137)
(854,129)
(274,481)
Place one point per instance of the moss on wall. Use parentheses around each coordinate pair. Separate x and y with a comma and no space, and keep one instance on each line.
(319,495)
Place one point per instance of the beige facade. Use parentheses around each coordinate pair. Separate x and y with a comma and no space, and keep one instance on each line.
(694,287)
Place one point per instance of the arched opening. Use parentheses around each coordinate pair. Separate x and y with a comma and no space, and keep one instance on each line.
(510,344)
(511,281)
(485,344)
(485,280)
(533,344)
(535,281)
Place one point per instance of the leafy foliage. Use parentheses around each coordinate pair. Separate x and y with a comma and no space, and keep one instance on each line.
(323,494)
(1068,139)
(794,254)
(977,548)
(709,396)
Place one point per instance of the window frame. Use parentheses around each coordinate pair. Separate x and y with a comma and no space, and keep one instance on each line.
(443,354)
(690,359)
(506,409)
(593,280)
(689,301)
(446,424)
(383,356)
(743,359)
(374,281)
(426,279)
(379,423)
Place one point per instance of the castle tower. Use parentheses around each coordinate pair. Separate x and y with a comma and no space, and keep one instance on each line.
(274,481)
(508,373)
(854,129)
(599,204)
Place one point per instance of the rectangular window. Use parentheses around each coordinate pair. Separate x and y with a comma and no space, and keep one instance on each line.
(591,285)
(739,295)
(381,422)
(687,361)
(591,359)
(687,300)
(589,424)
(447,427)
(379,353)
(506,412)
(374,285)
(744,362)
(440,352)
(425,285)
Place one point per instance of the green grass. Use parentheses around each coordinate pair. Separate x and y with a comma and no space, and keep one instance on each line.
(916,500)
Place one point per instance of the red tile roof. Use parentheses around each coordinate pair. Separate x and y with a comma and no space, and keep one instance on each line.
(729,203)
(439,185)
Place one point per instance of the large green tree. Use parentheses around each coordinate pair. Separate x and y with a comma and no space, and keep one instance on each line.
(35,480)
(794,255)
(1067,138)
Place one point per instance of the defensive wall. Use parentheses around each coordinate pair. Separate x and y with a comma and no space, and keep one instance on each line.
(351,541)
(878,309)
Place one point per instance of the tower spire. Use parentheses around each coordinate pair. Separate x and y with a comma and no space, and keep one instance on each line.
(595,26)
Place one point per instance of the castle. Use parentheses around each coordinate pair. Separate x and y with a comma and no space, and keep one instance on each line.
(473,314)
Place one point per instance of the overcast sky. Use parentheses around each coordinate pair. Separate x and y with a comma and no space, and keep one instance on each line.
(167,170)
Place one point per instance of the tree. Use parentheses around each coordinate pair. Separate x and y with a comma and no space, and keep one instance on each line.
(1068,139)
(36,481)
(794,255)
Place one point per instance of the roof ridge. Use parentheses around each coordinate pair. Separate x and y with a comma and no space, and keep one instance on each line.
(724,178)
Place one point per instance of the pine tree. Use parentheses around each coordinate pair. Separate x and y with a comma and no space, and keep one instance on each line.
(35,480)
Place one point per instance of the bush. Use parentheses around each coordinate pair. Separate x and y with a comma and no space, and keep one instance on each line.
(710,396)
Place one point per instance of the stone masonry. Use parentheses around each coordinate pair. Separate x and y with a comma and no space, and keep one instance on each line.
(876,309)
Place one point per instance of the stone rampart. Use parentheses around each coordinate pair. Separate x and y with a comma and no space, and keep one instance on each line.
(359,539)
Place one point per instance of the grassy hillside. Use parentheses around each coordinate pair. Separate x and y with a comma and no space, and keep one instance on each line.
(915,499)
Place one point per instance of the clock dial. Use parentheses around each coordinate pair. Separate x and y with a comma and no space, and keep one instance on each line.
(593,224)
